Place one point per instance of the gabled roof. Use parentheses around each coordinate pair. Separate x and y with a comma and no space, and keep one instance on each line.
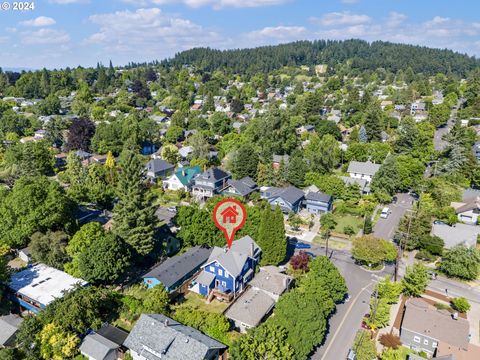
(290,194)
(175,268)
(359,167)
(457,234)
(243,186)
(280,158)
(470,204)
(9,325)
(271,280)
(156,337)
(318,196)
(234,259)
(97,347)
(158,165)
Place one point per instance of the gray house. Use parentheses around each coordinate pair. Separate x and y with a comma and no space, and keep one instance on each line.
(363,170)
(9,325)
(289,199)
(156,337)
(210,182)
(424,328)
(158,168)
(104,344)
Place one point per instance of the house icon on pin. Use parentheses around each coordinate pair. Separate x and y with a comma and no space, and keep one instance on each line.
(230,215)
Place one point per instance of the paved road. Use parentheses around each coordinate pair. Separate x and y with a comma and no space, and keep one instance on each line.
(344,324)
(455,289)
(385,228)
(438,141)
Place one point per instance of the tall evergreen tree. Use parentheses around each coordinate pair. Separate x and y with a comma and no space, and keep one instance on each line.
(374,123)
(133,214)
(271,237)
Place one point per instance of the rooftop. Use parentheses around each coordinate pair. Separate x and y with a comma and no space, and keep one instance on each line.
(175,268)
(156,337)
(251,307)
(43,284)
(359,167)
(456,234)
(425,319)
(271,280)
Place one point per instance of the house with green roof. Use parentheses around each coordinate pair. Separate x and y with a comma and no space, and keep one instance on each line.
(182,178)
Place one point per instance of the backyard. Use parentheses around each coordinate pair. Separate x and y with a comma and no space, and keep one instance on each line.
(345,220)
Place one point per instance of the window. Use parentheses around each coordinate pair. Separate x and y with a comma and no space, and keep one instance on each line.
(212,269)
(224,284)
(416,339)
(425,342)
(220,272)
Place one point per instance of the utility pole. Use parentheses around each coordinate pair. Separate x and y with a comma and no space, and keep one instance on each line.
(400,247)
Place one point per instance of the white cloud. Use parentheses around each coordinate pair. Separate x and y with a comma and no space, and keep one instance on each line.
(342,18)
(272,35)
(216,4)
(39,21)
(44,36)
(149,32)
(395,19)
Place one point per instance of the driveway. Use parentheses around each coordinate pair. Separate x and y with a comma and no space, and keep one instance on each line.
(385,228)
(438,141)
(344,324)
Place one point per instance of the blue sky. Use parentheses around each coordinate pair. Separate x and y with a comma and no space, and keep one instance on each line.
(60,33)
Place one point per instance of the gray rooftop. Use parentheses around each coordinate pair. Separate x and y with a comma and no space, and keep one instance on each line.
(243,186)
(271,280)
(362,183)
(366,168)
(425,319)
(9,325)
(318,196)
(159,165)
(234,259)
(96,347)
(175,268)
(290,194)
(156,337)
(251,307)
(457,234)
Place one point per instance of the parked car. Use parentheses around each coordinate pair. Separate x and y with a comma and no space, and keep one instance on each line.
(172,209)
(394,200)
(385,213)
(302,245)
(439,222)
(351,355)
(364,322)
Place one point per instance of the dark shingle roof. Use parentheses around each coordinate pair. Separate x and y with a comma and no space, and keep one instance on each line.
(243,186)
(318,196)
(158,165)
(156,336)
(175,268)
(290,194)
(214,174)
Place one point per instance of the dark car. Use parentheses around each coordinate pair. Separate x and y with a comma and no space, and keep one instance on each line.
(312,255)
(439,222)
(394,200)
(302,245)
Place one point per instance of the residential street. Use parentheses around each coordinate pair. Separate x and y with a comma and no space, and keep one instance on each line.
(438,142)
(346,321)
(385,228)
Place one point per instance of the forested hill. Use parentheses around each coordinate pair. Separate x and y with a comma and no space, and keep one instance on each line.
(364,56)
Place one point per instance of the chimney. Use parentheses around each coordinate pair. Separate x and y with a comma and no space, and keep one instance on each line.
(165,322)
(184,173)
(252,250)
(455,316)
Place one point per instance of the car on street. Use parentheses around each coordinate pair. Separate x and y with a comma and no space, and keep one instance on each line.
(439,222)
(302,245)
(351,355)
(172,209)
(385,212)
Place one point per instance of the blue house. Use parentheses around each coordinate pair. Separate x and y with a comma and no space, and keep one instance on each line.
(210,183)
(289,199)
(174,271)
(318,202)
(227,272)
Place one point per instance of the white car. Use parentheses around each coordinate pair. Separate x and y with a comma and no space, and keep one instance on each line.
(385,213)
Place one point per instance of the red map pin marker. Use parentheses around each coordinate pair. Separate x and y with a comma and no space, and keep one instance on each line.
(229,216)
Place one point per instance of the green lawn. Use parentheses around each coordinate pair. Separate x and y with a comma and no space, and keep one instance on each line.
(332,244)
(347,220)
(195,301)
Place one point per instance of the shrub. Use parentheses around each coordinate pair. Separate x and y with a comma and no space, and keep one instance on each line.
(461,304)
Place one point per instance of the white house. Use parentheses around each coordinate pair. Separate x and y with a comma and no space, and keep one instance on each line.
(467,211)
(363,170)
